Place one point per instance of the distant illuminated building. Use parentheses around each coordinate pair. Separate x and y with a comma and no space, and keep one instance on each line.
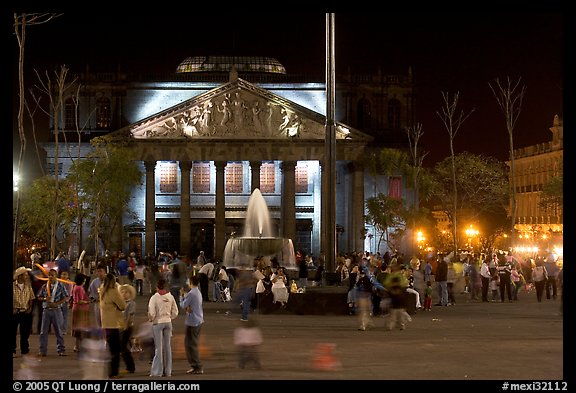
(232,124)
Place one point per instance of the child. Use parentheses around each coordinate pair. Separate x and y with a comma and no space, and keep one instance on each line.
(247,338)
(494,284)
(128,292)
(428,296)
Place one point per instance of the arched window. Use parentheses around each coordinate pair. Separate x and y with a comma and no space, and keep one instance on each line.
(70,114)
(103,113)
(394,114)
(363,112)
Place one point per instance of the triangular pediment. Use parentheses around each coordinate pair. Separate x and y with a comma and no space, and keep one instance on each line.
(237,110)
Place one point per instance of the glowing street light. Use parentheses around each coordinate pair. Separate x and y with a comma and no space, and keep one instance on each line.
(471,233)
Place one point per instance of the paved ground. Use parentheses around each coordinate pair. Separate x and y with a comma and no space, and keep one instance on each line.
(468,341)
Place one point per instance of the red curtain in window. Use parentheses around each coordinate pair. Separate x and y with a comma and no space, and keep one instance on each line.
(395,187)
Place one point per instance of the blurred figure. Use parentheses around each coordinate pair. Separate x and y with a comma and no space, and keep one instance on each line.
(247,339)
(552,271)
(22,302)
(80,311)
(191,303)
(246,280)
(128,293)
(324,359)
(517,281)
(94,356)
(396,285)
(364,289)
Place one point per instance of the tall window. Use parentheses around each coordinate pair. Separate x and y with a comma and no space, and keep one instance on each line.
(70,113)
(234,178)
(169,177)
(394,114)
(395,187)
(267,178)
(201,178)
(103,116)
(50,168)
(301,174)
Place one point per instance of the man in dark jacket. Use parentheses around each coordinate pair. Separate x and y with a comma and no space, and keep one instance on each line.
(441,278)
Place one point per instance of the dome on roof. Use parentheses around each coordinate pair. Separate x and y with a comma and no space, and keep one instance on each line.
(225,63)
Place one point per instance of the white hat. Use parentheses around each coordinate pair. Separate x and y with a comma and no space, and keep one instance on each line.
(21,270)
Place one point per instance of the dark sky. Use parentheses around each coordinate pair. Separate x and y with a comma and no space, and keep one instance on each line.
(450,52)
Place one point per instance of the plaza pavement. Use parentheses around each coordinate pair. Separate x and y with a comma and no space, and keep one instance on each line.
(470,341)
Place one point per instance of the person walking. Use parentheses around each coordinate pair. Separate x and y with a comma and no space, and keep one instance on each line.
(246,280)
(162,309)
(111,306)
(539,277)
(22,302)
(191,303)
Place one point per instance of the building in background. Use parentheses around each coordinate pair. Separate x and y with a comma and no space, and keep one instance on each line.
(219,127)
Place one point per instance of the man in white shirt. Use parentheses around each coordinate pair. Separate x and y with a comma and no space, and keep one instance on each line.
(206,271)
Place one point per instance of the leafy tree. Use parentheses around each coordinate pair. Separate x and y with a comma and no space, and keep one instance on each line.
(105,179)
(553,192)
(481,188)
(385,212)
(38,209)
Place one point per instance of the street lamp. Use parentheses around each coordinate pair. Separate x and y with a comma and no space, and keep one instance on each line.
(420,239)
(471,233)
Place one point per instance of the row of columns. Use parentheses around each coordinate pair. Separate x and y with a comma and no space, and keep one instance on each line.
(288,204)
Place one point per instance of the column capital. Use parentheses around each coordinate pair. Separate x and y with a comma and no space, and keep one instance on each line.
(185,165)
(150,165)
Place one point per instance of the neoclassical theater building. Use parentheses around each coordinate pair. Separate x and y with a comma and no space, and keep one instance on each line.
(206,136)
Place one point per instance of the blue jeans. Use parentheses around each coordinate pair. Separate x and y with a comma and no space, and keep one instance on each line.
(443,292)
(245,298)
(52,316)
(162,363)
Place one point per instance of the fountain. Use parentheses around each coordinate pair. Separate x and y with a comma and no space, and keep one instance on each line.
(258,239)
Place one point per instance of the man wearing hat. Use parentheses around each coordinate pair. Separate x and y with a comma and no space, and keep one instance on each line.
(22,299)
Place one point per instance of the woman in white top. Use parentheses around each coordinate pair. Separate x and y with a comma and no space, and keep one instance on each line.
(279,289)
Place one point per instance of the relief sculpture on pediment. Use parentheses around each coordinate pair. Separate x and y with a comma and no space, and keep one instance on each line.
(235,115)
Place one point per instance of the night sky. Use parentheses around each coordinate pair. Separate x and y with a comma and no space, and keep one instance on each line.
(451,52)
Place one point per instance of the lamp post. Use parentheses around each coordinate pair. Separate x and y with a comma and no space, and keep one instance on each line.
(471,233)
(16,226)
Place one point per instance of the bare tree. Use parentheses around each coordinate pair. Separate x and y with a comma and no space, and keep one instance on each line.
(414,133)
(509,98)
(21,21)
(452,122)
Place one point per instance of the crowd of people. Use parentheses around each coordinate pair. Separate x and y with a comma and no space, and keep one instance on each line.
(103,309)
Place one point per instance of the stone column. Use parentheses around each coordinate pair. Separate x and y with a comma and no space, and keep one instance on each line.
(220,211)
(150,208)
(357,219)
(185,167)
(255,168)
(288,209)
